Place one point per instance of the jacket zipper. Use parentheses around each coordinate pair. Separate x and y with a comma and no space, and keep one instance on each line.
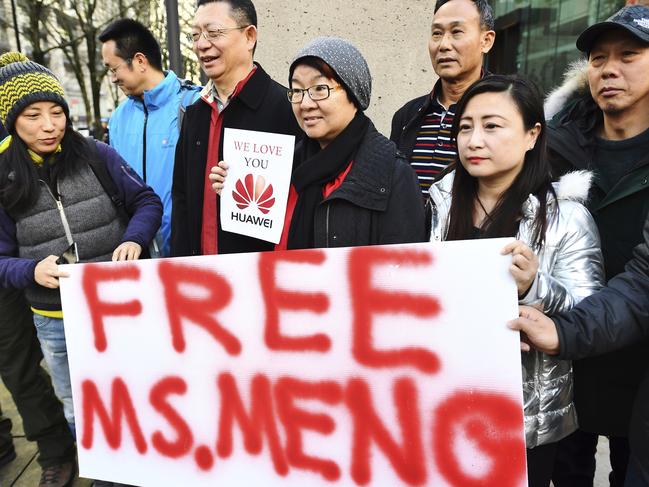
(327,224)
(131,177)
(59,206)
(146,119)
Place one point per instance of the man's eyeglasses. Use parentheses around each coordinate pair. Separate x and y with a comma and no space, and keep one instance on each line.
(316,93)
(113,71)
(212,34)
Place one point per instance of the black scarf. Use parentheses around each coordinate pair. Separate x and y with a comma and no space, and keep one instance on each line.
(315,168)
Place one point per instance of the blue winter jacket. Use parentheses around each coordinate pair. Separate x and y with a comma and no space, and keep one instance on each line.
(152,123)
(139,201)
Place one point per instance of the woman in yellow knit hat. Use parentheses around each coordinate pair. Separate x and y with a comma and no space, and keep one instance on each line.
(55,204)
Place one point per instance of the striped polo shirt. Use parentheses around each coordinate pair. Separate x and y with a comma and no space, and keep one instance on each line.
(434,149)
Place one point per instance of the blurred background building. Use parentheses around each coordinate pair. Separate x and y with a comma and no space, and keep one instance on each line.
(537,37)
(534,37)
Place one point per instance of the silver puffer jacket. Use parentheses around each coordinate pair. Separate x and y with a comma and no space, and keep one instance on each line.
(570,268)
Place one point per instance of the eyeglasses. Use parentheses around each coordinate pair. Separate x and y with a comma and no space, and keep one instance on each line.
(213,34)
(113,71)
(316,93)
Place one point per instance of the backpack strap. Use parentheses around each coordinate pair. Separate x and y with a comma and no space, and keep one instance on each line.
(98,166)
(186,86)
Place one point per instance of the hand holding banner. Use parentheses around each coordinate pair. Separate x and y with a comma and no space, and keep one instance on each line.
(253,200)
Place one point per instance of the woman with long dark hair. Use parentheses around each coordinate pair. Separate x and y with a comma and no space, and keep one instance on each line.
(54,207)
(501,187)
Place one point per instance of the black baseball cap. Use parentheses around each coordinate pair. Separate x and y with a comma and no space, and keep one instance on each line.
(632,18)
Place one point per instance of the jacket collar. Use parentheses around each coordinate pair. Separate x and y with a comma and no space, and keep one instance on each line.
(251,91)
(437,90)
(440,191)
(160,94)
(254,91)
(369,181)
(575,85)
(573,117)
(573,186)
(440,198)
(36,159)
(433,99)
(572,133)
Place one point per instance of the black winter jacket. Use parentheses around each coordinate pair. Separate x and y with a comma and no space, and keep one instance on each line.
(379,201)
(261,105)
(605,386)
(407,121)
(615,317)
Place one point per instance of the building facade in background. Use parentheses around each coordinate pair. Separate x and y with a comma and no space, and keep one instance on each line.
(537,37)
(534,37)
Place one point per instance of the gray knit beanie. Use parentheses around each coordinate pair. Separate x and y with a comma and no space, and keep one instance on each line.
(348,63)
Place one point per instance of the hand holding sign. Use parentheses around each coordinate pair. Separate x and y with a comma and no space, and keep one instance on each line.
(217,176)
(525,265)
(47,272)
(255,192)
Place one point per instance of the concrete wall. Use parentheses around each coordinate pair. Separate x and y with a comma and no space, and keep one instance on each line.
(391,34)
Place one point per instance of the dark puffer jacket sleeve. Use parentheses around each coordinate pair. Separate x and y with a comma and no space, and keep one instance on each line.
(15,272)
(139,199)
(613,318)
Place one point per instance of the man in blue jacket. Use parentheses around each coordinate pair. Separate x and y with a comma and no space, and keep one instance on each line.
(144,128)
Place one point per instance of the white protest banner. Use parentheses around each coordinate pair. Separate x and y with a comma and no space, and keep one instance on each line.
(381,366)
(253,199)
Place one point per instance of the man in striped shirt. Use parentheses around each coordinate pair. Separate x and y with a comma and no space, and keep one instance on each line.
(461,35)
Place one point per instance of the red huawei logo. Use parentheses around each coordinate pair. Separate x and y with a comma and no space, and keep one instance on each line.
(250,191)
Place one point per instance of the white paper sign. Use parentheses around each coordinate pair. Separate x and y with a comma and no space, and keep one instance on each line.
(378,366)
(253,200)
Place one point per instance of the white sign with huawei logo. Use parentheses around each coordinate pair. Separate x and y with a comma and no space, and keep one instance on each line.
(253,200)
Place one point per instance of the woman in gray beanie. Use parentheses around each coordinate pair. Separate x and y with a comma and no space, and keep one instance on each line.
(349,185)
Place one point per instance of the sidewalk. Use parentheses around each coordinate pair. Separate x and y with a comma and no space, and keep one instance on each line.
(23,471)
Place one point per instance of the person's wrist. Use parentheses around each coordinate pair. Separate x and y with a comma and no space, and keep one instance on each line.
(556,350)
(524,294)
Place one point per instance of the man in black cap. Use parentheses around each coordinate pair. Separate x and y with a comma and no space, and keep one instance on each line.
(602,125)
